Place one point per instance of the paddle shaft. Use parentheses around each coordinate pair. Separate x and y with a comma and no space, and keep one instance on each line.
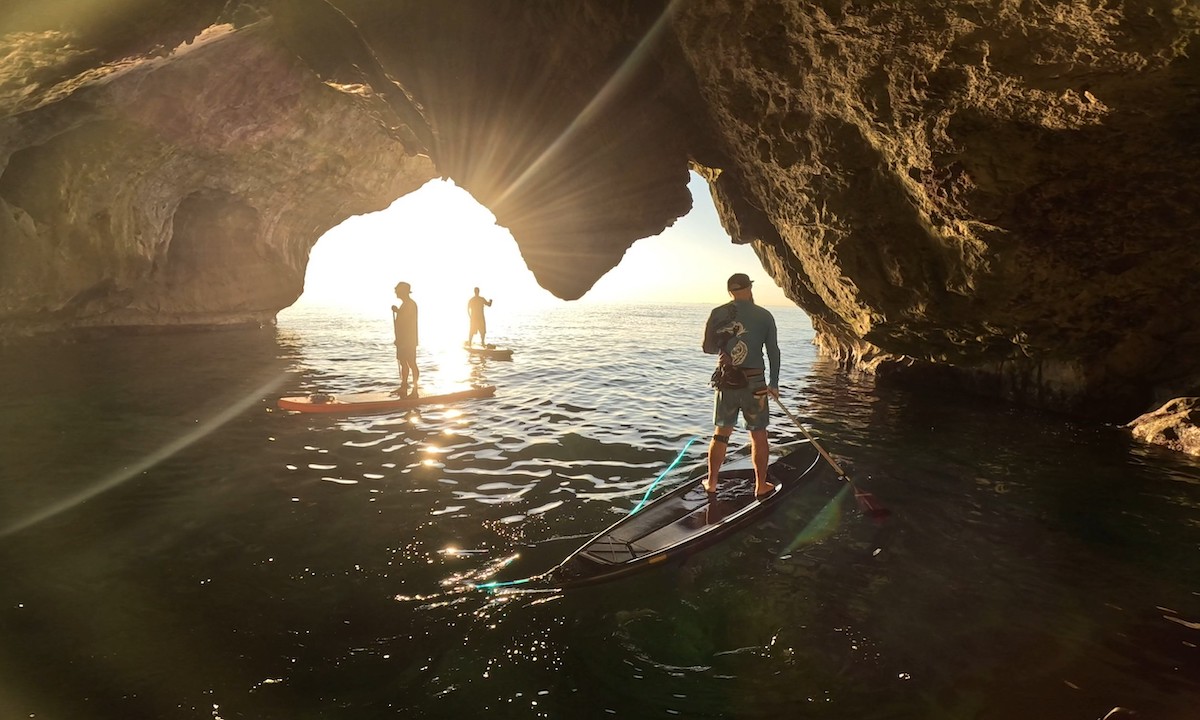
(866,501)
(828,458)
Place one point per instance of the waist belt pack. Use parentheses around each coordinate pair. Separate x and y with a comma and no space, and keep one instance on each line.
(732,377)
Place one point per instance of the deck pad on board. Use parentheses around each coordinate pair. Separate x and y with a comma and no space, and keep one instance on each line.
(676,520)
(687,519)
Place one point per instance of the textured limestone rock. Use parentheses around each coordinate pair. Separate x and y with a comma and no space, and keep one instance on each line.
(998,193)
(571,122)
(996,188)
(1175,425)
(185,188)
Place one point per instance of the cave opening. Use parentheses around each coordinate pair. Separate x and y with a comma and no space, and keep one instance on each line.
(438,239)
(444,243)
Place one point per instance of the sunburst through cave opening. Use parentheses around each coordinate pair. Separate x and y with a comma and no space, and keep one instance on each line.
(444,243)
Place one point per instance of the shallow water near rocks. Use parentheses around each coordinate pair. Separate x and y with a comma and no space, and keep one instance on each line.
(175,547)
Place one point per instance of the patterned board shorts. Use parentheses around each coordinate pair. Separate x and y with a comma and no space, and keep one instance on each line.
(751,401)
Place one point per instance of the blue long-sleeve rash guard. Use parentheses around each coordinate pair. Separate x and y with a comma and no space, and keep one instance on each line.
(743,329)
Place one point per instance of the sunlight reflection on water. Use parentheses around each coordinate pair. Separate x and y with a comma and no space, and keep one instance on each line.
(340,557)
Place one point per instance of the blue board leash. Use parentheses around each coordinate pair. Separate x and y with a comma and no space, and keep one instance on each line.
(663,474)
(510,583)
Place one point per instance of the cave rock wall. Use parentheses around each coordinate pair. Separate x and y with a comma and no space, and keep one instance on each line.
(998,193)
(182,188)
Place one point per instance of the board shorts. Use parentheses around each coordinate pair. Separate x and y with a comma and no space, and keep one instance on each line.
(751,401)
(407,354)
(479,325)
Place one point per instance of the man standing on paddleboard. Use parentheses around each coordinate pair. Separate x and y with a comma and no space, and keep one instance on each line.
(737,332)
(404,324)
(478,322)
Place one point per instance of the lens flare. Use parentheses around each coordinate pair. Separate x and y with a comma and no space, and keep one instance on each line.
(229,412)
(823,525)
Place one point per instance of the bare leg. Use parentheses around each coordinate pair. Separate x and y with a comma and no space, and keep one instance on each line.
(416,376)
(716,456)
(760,447)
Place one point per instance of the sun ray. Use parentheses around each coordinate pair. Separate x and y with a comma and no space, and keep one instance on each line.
(603,97)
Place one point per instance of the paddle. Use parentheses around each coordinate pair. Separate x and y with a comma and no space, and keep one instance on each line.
(867,502)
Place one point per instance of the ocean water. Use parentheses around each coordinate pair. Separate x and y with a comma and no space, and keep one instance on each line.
(173,546)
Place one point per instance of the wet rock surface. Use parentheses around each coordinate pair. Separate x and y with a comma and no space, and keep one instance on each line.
(1175,425)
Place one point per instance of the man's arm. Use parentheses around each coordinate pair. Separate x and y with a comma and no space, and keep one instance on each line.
(773,352)
(709,343)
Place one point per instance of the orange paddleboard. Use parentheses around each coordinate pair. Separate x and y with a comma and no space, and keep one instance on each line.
(370,402)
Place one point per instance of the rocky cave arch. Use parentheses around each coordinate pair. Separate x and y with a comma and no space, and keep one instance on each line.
(996,194)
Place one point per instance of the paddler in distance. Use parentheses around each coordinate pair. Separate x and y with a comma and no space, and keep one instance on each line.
(404,325)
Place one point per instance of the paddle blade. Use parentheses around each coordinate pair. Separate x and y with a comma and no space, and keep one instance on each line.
(870,505)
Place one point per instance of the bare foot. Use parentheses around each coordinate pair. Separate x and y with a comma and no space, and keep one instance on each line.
(710,486)
(763,490)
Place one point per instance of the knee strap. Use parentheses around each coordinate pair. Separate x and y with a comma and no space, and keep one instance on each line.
(724,439)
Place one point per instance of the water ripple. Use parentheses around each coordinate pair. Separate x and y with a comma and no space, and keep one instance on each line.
(1030,561)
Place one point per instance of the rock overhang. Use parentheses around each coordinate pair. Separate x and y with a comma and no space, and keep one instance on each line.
(946,186)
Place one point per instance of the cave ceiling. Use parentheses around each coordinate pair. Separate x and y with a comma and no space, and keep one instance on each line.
(1002,190)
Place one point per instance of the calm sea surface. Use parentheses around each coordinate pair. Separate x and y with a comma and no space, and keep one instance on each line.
(172,546)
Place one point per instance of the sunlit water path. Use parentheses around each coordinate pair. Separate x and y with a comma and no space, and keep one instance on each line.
(174,547)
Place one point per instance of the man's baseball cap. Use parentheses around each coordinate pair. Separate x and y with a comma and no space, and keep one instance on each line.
(738,281)
(404,285)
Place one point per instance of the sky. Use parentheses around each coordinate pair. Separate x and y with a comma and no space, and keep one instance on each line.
(444,243)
